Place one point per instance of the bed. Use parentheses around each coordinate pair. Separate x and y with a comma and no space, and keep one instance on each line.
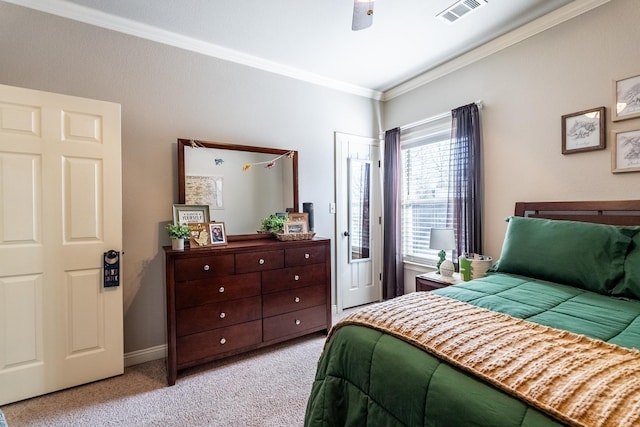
(549,337)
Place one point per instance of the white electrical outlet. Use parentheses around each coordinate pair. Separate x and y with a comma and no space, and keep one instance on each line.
(332,208)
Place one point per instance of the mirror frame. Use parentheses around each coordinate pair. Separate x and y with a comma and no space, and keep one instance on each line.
(182,143)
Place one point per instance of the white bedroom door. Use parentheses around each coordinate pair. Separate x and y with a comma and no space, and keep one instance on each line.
(60,211)
(358,220)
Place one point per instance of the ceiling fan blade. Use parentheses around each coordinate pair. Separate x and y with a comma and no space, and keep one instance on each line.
(362,14)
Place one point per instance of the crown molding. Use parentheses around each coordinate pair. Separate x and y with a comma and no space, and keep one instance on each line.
(90,16)
(565,13)
(97,18)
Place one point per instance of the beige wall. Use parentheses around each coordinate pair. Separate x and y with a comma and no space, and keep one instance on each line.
(167,93)
(525,90)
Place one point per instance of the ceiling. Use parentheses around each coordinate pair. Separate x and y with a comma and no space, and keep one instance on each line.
(312,39)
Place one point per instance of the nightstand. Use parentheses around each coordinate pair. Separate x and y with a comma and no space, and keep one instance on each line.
(431,281)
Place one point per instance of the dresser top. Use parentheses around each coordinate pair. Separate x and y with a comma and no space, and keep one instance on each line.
(248,244)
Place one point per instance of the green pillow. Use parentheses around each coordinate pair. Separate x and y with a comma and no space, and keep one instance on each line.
(630,284)
(581,254)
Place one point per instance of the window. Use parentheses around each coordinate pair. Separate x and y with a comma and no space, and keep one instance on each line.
(425,188)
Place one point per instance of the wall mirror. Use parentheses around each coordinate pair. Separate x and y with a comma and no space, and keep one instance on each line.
(359,209)
(241,184)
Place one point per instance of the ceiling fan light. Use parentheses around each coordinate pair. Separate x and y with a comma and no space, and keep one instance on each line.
(362,14)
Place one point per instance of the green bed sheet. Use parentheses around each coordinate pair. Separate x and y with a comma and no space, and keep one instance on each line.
(367,378)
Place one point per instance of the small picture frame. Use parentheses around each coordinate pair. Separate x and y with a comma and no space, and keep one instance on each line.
(198,234)
(217,233)
(299,217)
(626,98)
(186,214)
(625,156)
(203,234)
(295,227)
(583,131)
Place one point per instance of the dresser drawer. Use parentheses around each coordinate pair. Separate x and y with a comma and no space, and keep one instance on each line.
(293,277)
(204,267)
(217,289)
(292,300)
(218,315)
(206,345)
(259,261)
(305,256)
(294,323)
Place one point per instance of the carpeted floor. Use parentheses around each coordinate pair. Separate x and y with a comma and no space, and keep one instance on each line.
(267,387)
(264,388)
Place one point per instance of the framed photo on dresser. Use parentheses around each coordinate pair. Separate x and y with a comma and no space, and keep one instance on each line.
(217,233)
(207,234)
(198,234)
(300,217)
(186,214)
(295,227)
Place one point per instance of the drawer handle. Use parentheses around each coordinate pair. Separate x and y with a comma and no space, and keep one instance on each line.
(222,315)
(296,299)
(298,321)
(223,341)
(307,256)
(261,261)
(296,277)
(221,290)
(206,267)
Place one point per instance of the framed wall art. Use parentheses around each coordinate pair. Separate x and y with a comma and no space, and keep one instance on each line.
(626,98)
(583,131)
(185,214)
(625,156)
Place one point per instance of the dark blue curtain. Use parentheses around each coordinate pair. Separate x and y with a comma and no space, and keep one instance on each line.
(465,180)
(392,267)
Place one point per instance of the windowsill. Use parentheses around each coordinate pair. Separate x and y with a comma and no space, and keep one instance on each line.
(416,264)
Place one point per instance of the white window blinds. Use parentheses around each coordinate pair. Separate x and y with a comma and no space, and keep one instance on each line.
(425,187)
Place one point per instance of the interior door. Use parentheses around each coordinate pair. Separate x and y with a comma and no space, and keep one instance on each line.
(60,211)
(359,223)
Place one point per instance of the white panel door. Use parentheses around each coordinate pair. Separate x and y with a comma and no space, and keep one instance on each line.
(359,278)
(60,210)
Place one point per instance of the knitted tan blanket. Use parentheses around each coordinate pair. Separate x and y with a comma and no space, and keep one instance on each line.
(578,380)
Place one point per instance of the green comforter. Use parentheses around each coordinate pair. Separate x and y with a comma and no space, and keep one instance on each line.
(367,378)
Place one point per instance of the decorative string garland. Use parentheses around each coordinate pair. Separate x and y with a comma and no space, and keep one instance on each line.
(269,164)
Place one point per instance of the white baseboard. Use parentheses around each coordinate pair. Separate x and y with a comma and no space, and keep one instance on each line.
(145,355)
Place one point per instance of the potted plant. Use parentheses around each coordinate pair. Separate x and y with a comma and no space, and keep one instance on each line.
(177,233)
(272,224)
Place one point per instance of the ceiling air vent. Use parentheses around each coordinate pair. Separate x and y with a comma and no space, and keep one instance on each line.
(459,9)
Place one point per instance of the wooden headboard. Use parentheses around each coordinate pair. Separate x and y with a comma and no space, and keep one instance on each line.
(623,212)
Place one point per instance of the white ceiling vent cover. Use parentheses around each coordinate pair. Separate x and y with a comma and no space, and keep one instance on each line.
(459,9)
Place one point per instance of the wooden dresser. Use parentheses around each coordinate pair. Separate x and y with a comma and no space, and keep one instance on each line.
(249,294)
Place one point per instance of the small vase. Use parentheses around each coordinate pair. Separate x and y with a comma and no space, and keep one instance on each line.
(177,244)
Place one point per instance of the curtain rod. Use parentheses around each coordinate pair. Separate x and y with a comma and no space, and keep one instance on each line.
(433,118)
